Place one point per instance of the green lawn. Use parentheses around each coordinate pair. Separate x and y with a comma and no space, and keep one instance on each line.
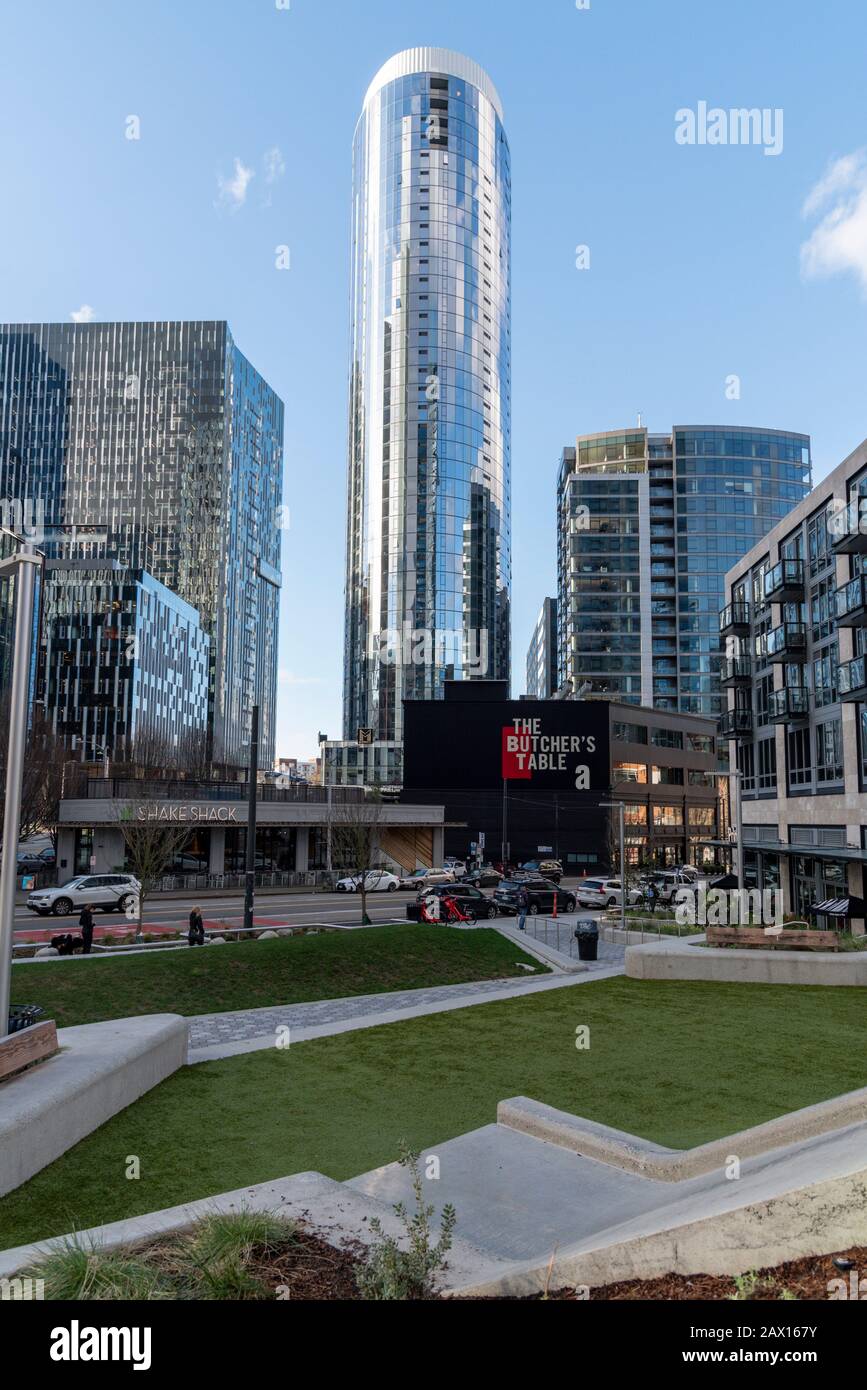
(257,974)
(679,1063)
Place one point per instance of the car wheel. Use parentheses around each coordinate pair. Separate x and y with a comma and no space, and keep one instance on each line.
(392,887)
(61,906)
(533,909)
(570,904)
(612,902)
(124,902)
(492,911)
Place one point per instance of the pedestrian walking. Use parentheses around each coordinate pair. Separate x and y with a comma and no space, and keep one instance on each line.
(196,934)
(523,903)
(652,896)
(85,921)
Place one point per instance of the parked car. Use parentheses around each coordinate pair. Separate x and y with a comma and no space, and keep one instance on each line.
(545,868)
(484,876)
(377,881)
(427,878)
(471,901)
(540,894)
(670,882)
(456,866)
(109,892)
(604,892)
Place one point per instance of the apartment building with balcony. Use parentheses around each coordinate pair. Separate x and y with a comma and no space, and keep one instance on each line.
(794,634)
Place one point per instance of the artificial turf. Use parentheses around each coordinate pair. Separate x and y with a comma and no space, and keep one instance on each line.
(258,974)
(679,1063)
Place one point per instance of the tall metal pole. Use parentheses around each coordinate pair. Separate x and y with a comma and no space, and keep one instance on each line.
(328,828)
(739,833)
(504,851)
(621,808)
(24,562)
(252,789)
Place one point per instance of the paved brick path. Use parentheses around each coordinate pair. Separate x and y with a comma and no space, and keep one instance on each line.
(209,1030)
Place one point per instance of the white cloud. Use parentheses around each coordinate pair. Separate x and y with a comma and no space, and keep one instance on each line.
(289,678)
(86,314)
(275,164)
(838,245)
(233,191)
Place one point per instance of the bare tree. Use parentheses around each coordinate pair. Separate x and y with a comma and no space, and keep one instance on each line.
(152,756)
(355,827)
(42,781)
(151,845)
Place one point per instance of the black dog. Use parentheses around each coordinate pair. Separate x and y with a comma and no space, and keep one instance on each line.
(67,944)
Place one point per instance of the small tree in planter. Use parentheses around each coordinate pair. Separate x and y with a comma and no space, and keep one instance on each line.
(151,846)
(355,829)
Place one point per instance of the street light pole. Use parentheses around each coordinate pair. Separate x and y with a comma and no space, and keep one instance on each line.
(252,789)
(22,565)
(619,806)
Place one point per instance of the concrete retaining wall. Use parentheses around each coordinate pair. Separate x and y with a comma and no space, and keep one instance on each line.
(100,1069)
(672,958)
(636,1155)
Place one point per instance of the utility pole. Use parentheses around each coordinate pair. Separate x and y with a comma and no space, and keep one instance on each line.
(328,828)
(252,790)
(504,848)
(21,566)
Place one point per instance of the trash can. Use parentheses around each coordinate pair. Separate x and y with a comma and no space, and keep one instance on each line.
(587,934)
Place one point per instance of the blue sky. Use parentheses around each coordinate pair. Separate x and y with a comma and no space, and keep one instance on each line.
(697,267)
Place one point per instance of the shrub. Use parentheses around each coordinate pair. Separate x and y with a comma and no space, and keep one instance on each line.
(393,1273)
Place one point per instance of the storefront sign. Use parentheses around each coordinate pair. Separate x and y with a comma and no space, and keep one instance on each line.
(194,815)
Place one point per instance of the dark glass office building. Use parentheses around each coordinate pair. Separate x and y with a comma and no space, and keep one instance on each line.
(428,526)
(158,446)
(648,525)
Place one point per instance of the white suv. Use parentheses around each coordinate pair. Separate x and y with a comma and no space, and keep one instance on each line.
(603,892)
(110,892)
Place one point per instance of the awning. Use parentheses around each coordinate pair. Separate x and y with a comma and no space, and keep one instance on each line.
(838,907)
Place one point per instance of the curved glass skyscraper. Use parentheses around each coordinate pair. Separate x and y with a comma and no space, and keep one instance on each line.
(428,564)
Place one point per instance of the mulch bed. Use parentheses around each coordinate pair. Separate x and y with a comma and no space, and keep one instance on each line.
(309,1268)
(807,1278)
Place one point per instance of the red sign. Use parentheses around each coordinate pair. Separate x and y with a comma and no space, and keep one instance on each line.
(516,755)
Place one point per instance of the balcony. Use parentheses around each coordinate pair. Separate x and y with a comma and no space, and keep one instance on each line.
(734,671)
(847,527)
(788,705)
(785,582)
(736,723)
(852,680)
(788,642)
(734,620)
(850,602)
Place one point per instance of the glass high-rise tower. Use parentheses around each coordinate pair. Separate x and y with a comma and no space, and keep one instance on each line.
(648,524)
(428,529)
(156,448)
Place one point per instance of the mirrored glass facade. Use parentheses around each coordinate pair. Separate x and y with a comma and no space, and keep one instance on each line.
(159,446)
(428,561)
(648,525)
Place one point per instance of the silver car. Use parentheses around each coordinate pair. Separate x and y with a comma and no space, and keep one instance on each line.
(108,892)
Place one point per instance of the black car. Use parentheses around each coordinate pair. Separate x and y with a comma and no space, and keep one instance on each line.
(485,877)
(470,900)
(540,894)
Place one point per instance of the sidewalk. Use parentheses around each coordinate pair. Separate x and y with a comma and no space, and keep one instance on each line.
(225,1035)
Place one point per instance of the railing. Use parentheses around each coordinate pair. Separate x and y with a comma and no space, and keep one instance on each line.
(735,668)
(183,883)
(560,936)
(850,598)
(735,615)
(736,723)
(792,702)
(852,678)
(787,639)
(787,575)
(129,789)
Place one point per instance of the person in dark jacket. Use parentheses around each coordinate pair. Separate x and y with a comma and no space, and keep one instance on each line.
(523,902)
(196,934)
(85,921)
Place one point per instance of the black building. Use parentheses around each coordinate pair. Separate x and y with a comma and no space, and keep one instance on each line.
(525,778)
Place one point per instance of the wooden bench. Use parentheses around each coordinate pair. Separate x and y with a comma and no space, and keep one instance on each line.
(756,936)
(20,1050)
